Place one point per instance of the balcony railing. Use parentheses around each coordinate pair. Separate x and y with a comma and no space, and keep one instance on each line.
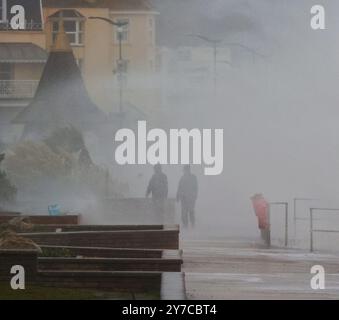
(18,89)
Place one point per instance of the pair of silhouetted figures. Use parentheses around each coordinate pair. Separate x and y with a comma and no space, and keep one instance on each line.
(187,193)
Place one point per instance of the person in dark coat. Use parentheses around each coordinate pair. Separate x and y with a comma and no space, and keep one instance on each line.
(158,187)
(187,194)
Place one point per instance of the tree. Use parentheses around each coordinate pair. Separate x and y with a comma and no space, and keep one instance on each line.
(7,190)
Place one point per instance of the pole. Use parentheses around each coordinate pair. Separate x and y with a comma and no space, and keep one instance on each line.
(120,45)
(311,229)
(295,217)
(215,68)
(295,212)
(120,76)
(107,193)
(121,108)
(120,26)
(286,224)
(285,204)
(269,228)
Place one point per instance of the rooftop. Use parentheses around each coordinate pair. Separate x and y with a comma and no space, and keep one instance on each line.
(61,97)
(21,52)
(114,5)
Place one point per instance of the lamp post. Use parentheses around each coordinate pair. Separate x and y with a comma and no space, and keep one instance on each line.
(214,44)
(120,65)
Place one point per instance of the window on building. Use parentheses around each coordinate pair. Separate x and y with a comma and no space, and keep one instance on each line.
(74,30)
(6,71)
(73,24)
(125,32)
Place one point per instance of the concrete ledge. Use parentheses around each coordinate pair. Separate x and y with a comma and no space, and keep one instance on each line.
(173,286)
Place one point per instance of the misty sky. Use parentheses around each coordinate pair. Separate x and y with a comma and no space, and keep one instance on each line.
(264,23)
(280,114)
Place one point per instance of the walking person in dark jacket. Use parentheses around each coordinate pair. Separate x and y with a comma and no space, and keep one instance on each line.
(187,194)
(158,187)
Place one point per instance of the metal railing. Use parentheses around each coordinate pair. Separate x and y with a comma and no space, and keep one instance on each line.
(18,89)
(266,231)
(295,216)
(312,230)
(285,204)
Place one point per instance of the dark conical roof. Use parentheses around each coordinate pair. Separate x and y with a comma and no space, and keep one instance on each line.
(61,98)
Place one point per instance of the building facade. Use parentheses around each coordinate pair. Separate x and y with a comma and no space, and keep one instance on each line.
(96,46)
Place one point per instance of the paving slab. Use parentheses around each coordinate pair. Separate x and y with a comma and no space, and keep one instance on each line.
(242,269)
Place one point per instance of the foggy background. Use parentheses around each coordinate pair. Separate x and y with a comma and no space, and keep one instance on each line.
(277,102)
(279,113)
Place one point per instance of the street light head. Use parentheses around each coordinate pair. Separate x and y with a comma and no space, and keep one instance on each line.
(118,24)
(103,19)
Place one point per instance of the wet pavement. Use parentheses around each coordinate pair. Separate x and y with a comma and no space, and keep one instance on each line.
(223,268)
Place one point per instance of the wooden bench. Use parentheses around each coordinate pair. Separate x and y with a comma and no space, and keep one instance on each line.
(41,219)
(168,285)
(168,238)
(79,228)
(97,252)
(172,264)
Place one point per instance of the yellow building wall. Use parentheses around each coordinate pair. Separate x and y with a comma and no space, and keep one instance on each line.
(37,38)
(28,71)
(95,52)
(99,54)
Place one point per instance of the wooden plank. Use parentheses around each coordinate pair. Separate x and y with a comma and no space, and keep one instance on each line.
(118,281)
(140,239)
(41,219)
(100,252)
(110,264)
(80,228)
